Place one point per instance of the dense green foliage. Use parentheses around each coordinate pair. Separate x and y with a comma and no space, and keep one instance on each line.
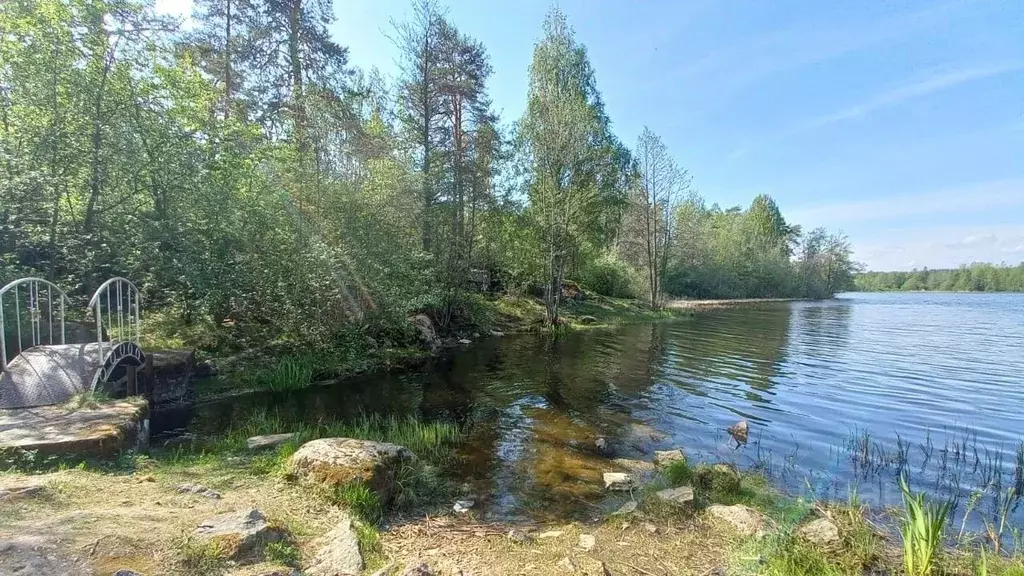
(978,277)
(252,181)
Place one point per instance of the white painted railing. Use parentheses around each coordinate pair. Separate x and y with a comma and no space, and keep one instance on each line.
(126,305)
(38,296)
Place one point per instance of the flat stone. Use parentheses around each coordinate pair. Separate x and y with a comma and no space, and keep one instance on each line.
(101,432)
(587,542)
(338,553)
(340,461)
(666,457)
(682,495)
(743,519)
(639,466)
(821,532)
(465,341)
(20,491)
(32,555)
(627,508)
(199,490)
(497,333)
(617,481)
(268,441)
(242,535)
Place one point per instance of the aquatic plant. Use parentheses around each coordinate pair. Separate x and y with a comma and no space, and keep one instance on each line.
(923,524)
(288,374)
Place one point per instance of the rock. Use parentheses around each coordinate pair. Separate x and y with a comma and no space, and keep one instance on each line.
(418,570)
(241,535)
(340,461)
(650,528)
(519,537)
(31,555)
(821,532)
(173,376)
(567,565)
(425,329)
(617,481)
(587,542)
(743,519)
(462,506)
(639,466)
(740,431)
(588,320)
(199,490)
(465,341)
(602,446)
(126,572)
(681,496)
(268,441)
(549,534)
(722,478)
(497,333)
(666,457)
(627,508)
(20,492)
(337,553)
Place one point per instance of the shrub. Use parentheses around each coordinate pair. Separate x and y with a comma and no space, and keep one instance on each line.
(610,276)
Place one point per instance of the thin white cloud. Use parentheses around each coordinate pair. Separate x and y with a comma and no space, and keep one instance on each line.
(969,198)
(904,249)
(920,88)
(811,43)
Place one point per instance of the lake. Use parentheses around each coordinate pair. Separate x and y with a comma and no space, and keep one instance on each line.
(841,394)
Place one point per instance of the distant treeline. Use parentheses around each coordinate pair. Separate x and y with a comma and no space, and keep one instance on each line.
(978,277)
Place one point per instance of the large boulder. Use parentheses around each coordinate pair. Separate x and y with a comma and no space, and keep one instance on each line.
(743,519)
(821,532)
(338,553)
(340,461)
(242,536)
(426,331)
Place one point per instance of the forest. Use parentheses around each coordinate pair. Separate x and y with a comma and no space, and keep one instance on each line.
(978,277)
(247,176)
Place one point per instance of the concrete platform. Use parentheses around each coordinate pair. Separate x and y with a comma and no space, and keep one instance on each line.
(100,432)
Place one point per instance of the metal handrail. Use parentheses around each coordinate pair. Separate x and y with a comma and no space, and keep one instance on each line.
(124,289)
(35,320)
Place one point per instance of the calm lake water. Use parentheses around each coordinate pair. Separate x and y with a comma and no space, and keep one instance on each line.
(839,394)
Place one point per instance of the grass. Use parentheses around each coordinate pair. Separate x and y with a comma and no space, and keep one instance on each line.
(283,552)
(363,502)
(200,557)
(291,373)
(922,529)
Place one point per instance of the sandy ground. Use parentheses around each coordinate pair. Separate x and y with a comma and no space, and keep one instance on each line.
(85,522)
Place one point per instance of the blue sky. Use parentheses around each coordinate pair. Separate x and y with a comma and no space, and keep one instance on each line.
(901,123)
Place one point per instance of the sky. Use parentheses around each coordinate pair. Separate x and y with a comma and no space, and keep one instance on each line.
(900,123)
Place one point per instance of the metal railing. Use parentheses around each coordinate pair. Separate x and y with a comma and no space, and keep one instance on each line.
(36,292)
(126,304)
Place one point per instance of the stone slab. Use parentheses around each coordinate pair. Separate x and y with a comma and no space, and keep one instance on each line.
(102,432)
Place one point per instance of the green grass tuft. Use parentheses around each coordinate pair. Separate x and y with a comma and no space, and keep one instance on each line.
(923,524)
(363,502)
(200,557)
(283,552)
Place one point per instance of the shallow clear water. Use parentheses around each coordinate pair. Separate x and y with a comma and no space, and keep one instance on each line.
(839,394)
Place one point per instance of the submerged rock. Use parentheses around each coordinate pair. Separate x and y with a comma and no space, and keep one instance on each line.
(627,508)
(743,519)
(740,431)
(241,535)
(666,457)
(617,481)
(268,441)
(821,532)
(340,461)
(338,552)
